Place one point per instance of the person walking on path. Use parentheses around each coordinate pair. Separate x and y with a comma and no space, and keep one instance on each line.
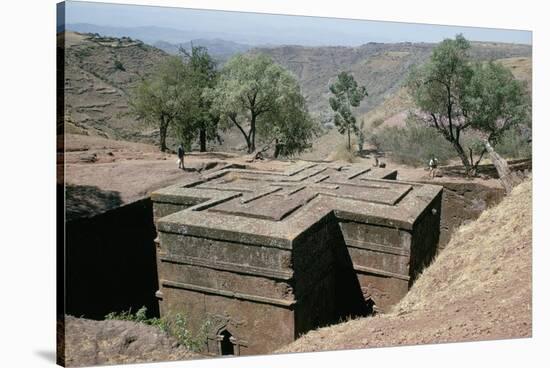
(433,166)
(181,155)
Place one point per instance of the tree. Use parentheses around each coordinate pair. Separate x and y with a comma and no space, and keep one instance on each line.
(347,94)
(163,98)
(494,102)
(453,94)
(361,135)
(438,87)
(258,96)
(290,127)
(204,75)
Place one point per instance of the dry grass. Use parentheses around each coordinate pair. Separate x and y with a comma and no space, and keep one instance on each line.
(343,154)
(481,252)
(387,61)
(521,68)
(393,110)
(478,288)
(72,38)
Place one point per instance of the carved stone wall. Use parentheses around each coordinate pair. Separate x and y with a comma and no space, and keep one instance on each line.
(266,256)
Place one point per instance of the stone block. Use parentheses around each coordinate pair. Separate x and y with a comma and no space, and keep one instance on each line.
(266,256)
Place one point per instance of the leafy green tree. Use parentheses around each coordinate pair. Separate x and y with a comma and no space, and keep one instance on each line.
(494,103)
(164,98)
(258,96)
(438,87)
(290,128)
(204,75)
(347,94)
(453,94)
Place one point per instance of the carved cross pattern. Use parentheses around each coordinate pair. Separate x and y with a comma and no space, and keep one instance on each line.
(275,196)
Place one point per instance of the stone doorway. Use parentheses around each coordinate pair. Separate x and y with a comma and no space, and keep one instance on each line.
(225,343)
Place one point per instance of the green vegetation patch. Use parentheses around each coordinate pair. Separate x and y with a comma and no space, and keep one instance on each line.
(413,144)
(176,326)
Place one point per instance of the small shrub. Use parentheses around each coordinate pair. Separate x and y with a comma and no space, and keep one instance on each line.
(119,66)
(413,144)
(329,125)
(82,53)
(376,123)
(142,46)
(343,154)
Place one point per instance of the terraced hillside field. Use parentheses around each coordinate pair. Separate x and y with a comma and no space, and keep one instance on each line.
(99,75)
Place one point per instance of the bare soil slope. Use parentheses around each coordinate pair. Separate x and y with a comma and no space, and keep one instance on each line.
(478,288)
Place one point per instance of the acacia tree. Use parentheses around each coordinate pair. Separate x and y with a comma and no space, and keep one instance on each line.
(258,96)
(163,98)
(347,94)
(494,103)
(452,94)
(203,75)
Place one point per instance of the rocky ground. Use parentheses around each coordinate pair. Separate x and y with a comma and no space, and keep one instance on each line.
(89,342)
(101,174)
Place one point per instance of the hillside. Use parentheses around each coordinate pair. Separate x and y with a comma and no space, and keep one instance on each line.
(380,67)
(478,288)
(99,74)
(101,71)
(521,68)
(221,50)
(392,111)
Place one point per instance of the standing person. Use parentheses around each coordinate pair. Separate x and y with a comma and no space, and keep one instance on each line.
(433,166)
(181,154)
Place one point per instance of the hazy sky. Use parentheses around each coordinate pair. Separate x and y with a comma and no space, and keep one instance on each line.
(253,28)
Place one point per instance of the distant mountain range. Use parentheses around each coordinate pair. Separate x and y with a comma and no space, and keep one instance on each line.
(219,49)
(168,39)
(148,34)
(256,34)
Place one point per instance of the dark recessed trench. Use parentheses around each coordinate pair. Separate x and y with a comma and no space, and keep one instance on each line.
(110,263)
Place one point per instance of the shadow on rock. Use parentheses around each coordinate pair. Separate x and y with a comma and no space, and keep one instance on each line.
(86,201)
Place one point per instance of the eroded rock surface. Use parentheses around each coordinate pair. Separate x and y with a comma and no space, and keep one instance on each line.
(89,342)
